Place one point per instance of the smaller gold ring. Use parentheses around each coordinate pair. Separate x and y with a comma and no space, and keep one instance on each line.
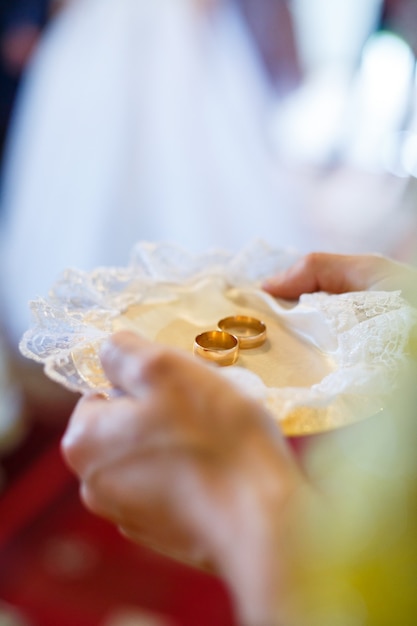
(249,331)
(217,346)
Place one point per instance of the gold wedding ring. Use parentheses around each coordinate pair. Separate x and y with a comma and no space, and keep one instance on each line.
(218,346)
(249,331)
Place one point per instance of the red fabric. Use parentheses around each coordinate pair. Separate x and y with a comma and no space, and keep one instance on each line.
(62,566)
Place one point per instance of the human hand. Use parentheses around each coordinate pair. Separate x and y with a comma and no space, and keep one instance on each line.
(187,464)
(339,273)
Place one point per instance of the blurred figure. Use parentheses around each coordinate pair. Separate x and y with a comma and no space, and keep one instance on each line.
(144,121)
(151,121)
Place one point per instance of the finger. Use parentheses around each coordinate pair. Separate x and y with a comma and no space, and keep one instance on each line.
(99,426)
(123,356)
(138,366)
(333,273)
(85,410)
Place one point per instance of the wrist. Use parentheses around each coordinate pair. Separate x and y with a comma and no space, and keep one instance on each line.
(253,554)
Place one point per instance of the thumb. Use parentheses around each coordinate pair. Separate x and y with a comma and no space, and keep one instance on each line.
(122,356)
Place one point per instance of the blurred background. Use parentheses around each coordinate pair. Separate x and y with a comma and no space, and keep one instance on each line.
(205,123)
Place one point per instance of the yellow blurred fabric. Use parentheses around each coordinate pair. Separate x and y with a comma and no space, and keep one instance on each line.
(356,531)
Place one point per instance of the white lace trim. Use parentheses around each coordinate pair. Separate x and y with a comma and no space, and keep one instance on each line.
(366,334)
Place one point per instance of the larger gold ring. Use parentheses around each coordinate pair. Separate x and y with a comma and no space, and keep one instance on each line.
(217,346)
(249,331)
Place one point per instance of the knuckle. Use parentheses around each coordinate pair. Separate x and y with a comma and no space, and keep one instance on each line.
(78,440)
(73,449)
(159,364)
(96,495)
(89,498)
(312,260)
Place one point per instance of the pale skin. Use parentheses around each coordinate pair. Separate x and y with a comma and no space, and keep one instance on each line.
(185,463)
(340,273)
